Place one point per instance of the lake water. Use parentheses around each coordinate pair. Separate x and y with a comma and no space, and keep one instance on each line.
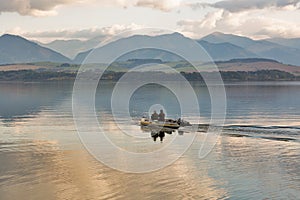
(256,157)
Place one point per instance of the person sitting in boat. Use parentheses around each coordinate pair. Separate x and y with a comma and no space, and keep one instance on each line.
(154,116)
(161,116)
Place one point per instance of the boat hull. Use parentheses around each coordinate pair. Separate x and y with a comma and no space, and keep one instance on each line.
(159,124)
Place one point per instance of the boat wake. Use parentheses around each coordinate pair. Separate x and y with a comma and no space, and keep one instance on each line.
(278,133)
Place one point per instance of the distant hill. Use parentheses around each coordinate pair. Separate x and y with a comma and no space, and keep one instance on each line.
(234,65)
(218,37)
(71,48)
(68,48)
(15,49)
(250,65)
(225,51)
(172,41)
(261,48)
(79,58)
(143,54)
(289,42)
(247,60)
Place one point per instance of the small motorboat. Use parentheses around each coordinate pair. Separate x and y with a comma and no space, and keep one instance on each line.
(168,123)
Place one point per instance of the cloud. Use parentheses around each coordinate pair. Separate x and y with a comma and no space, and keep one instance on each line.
(255,18)
(282,29)
(164,5)
(243,5)
(255,24)
(47,7)
(32,7)
(83,34)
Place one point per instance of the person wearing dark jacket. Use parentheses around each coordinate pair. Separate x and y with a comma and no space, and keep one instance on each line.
(154,116)
(161,116)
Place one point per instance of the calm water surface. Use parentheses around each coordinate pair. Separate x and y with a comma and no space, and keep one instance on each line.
(256,157)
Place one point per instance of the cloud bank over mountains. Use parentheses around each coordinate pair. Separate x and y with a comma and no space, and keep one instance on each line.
(44,7)
(244,5)
(32,7)
(253,18)
(47,7)
(255,24)
(82,34)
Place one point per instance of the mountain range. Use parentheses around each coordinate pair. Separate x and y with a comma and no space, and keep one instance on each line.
(283,50)
(71,48)
(15,49)
(145,47)
(220,46)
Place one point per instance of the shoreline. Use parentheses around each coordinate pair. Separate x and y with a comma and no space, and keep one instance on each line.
(227,76)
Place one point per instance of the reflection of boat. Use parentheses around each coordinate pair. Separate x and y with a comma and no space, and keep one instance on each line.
(156,129)
(168,123)
(157,132)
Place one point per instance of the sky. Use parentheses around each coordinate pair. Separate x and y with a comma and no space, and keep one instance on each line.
(47,20)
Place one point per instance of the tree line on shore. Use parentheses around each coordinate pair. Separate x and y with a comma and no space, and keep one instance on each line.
(261,75)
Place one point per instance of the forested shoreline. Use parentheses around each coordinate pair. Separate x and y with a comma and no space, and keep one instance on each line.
(262,75)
